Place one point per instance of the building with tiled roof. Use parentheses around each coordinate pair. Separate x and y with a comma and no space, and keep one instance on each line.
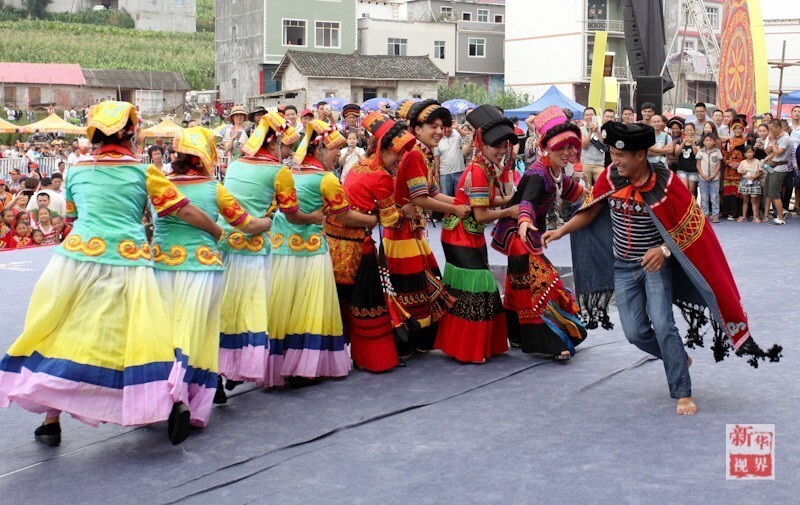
(359,77)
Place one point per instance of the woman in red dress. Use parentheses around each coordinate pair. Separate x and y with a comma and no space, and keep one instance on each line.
(369,187)
(413,270)
(475,326)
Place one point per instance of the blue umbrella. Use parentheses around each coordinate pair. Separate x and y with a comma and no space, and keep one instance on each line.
(458,105)
(334,102)
(376,103)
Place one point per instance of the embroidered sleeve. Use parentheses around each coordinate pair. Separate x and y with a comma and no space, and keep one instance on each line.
(285,194)
(530,196)
(389,215)
(416,173)
(71,211)
(480,191)
(165,196)
(230,209)
(333,194)
(572,190)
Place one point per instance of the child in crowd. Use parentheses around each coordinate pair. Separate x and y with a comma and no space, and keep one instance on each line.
(709,165)
(62,230)
(45,225)
(36,238)
(350,155)
(751,170)
(6,223)
(21,236)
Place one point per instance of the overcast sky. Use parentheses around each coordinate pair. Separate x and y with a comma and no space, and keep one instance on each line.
(780,9)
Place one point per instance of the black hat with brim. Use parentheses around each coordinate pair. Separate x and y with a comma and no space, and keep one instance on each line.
(628,137)
(495,128)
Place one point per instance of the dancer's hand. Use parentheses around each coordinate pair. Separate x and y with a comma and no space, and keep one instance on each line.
(409,210)
(653,259)
(317,217)
(512,211)
(551,236)
(523,229)
(462,211)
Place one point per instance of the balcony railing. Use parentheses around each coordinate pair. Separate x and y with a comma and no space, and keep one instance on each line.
(620,72)
(605,25)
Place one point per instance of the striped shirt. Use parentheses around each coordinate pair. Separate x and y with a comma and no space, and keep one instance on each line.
(634,230)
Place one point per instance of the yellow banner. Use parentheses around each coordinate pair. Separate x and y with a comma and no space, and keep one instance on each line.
(598,62)
(761,69)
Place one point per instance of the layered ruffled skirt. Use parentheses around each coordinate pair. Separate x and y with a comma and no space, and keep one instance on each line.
(305,317)
(541,313)
(245,351)
(96,345)
(191,300)
(474,328)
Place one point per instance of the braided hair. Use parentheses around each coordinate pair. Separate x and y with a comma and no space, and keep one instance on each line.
(386,143)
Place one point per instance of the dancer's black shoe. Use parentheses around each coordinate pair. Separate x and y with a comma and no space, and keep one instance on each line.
(48,434)
(178,426)
(220,397)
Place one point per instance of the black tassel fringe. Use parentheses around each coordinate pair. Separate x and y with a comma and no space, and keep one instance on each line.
(594,309)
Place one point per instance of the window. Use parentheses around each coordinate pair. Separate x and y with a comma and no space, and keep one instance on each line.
(397,47)
(416,95)
(233,33)
(713,16)
(483,15)
(477,48)
(688,45)
(294,32)
(447,12)
(438,50)
(466,16)
(370,93)
(498,18)
(233,83)
(180,3)
(327,34)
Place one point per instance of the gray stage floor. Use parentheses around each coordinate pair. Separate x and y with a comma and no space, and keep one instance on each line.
(517,430)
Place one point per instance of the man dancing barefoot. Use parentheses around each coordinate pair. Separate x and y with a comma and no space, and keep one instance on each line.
(654,248)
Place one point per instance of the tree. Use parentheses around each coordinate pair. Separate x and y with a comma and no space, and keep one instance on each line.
(504,98)
(36,8)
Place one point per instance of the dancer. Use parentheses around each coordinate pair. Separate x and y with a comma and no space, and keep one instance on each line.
(474,328)
(414,272)
(96,344)
(303,304)
(369,189)
(540,311)
(189,269)
(652,219)
(247,353)
(734,154)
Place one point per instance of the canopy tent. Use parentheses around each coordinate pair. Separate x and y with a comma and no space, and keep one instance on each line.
(791,98)
(551,97)
(166,128)
(53,124)
(6,127)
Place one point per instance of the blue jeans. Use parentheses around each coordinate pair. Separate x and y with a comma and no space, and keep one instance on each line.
(448,183)
(645,310)
(709,190)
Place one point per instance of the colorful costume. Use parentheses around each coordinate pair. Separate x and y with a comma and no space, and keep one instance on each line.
(541,312)
(700,276)
(733,155)
(246,352)
(96,344)
(303,304)
(189,273)
(474,328)
(369,189)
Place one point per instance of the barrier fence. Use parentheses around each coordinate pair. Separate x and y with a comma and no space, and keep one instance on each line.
(47,166)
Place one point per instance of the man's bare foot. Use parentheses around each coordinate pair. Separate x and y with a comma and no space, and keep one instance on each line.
(686,407)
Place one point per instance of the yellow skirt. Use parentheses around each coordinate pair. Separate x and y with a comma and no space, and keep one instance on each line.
(305,319)
(191,300)
(96,344)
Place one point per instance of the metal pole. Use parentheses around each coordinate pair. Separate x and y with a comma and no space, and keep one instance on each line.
(780,81)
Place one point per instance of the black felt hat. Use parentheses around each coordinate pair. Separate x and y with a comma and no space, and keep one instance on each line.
(495,128)
(628,137)
(351,109)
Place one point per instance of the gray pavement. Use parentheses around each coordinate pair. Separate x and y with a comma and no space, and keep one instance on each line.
(517,430)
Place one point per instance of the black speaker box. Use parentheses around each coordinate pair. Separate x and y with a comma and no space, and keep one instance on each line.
(649,88)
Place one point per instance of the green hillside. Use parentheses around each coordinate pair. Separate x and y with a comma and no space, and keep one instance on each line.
(94,46)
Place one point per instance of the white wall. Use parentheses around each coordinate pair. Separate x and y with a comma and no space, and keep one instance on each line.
(775,34)
(374,34)
(547,51)
(379,9)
